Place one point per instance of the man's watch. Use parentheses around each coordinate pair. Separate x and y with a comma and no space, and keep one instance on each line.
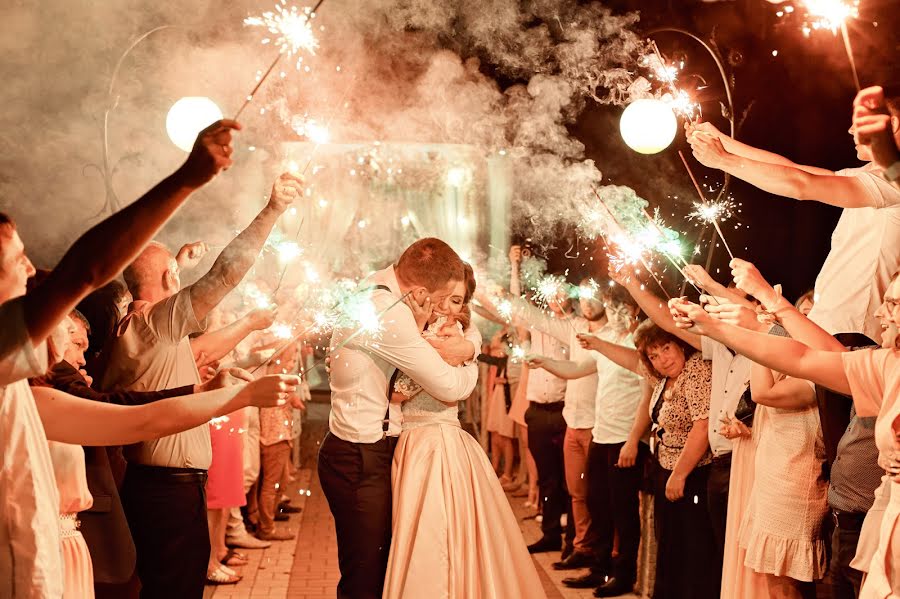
(892,173)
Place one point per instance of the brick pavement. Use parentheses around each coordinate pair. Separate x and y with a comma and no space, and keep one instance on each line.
(308,569)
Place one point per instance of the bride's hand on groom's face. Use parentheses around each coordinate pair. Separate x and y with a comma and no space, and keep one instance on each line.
(420,312)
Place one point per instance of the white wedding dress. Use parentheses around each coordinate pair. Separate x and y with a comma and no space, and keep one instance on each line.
(454,533)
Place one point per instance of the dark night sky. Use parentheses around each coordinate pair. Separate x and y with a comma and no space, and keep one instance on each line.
(799,107)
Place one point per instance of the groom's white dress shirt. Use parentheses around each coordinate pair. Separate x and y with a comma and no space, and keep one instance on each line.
(361,370)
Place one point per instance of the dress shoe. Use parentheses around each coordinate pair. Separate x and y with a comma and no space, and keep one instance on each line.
(286,508)
(281,517)
(578,559)
(567,550)
(587,581)
(275,535)
(614,587)
(245,541)
(545,545)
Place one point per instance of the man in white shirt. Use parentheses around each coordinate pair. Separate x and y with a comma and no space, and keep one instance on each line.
(865,245)
(355,457)
(578,410)
(29,528)
(164,488)
(615,465)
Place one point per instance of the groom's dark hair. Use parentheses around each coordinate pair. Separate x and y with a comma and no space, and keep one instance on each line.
(430,263)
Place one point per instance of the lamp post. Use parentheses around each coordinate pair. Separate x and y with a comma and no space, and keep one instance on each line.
(726,83)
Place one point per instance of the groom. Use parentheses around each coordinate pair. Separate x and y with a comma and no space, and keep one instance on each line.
(355,457)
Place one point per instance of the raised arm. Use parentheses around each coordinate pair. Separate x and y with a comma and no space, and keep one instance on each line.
(783,355)
(783,180)
(108,247)
(564,369)
(626,357)
(78,421)
(215,345)
(701,278)
(654,307)
(239,255)
(748,278)
(739,148)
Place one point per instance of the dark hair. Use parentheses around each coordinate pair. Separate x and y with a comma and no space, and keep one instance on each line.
(649,335)
(6,220)
(893,105)
(465,315)
(430,263)
(101,313)
(77,316)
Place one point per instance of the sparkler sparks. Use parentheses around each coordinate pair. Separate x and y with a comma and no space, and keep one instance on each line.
(281,330)
(829,14)
(288,251)
(291,30)
(310,129)
(708,212)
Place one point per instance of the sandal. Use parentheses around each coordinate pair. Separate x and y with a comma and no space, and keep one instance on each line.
(220,577)
(229,571)
(234,558)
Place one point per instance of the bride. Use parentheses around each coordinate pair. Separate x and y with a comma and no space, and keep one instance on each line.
(454,533)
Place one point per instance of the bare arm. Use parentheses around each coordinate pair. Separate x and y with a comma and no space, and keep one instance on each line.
(628,453)
(748,278)
(239,255)
(626,357)
(657,311)
(788,393)
(215,345)
(739,148)
(564,369)
(78,421)
(108,247)
(697,444)
(784,180)
(780,354)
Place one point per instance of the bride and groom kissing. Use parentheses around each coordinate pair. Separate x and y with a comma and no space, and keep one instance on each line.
(418,510)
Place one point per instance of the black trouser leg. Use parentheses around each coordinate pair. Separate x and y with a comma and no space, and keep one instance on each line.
(356,480)
(168,522)
(624,499)
(599,507)
(546,431)
(844,581)
(717,498)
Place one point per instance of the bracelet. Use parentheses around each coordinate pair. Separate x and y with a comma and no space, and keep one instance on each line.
(892,173)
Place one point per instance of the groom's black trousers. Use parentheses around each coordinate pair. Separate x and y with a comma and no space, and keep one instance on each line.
(356,479)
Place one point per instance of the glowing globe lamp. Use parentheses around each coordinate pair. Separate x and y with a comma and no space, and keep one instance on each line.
(648,126)
(188,117)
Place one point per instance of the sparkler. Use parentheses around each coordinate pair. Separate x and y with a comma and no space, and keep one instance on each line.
(710,212)
(293,30)
(833,15)
(677,99)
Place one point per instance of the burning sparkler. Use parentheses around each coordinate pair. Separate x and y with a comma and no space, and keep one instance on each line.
(833,15)
(711,212)
(291,32)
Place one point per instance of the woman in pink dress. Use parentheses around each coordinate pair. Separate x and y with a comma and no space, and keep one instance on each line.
(454,534)
(871,377)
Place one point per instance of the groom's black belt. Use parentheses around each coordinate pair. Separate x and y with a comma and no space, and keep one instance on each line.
(556,406)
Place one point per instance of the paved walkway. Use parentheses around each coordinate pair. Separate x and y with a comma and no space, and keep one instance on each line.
(308,569)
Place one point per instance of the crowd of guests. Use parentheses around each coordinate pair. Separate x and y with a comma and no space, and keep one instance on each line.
(182,382)
(748,420)
(743,446)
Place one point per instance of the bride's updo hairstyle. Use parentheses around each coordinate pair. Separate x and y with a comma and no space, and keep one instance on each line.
(465,315)
(430,263)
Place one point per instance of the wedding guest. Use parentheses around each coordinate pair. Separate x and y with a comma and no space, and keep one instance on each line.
(502,379)
(33,560)
(150,350)
(275,434)
(869,376)
(615,462)
(866,239)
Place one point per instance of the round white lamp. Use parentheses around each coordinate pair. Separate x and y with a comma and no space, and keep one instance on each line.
(188,117)
(648,126)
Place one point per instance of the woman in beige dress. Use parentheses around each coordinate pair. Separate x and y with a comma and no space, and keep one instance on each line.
(454,534)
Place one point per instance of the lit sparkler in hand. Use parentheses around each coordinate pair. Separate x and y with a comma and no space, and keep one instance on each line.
(291,32)
(288,251)
(281,330)
(711,212)
(833,15)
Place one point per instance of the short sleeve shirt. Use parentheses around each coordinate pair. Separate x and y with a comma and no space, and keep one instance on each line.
(30,560)
(683,404)
(151,352)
